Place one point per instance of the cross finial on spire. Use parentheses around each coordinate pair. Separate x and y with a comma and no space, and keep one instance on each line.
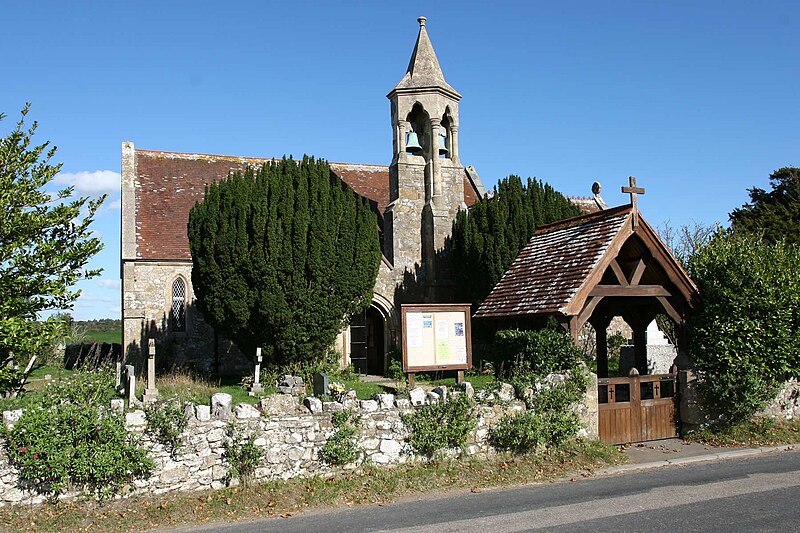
(633,190)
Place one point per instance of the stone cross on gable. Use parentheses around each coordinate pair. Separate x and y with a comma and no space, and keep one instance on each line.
(633,190)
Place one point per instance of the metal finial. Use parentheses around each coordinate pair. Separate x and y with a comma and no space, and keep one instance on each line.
(421,21)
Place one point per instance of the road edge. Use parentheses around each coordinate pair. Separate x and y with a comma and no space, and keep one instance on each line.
(703,458)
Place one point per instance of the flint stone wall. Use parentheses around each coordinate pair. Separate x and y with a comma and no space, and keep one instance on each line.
(291,436)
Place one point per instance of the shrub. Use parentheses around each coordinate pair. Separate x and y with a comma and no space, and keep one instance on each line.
(539,351)
(10,379)
(745,341)
(440,426)
(534,355)
(525,432)
(166,420)
(69,438)
(341,448)
(94,388)
(242,454)
(74,444)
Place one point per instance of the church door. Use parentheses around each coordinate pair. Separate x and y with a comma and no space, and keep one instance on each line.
(375,342)
(358,342)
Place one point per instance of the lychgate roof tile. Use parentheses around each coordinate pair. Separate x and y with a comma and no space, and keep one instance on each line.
(551,268)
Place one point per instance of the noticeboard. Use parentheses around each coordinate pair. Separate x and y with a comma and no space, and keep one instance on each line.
(436,337)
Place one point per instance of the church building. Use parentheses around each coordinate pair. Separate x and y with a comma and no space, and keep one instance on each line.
(416,198)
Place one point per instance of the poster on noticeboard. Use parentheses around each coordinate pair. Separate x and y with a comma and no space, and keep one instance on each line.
(436,337)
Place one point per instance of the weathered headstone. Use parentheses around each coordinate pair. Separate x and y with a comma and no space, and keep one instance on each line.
(130,385)
(293,385)
(256,387)
(321,384)
(151,393)
(118,376)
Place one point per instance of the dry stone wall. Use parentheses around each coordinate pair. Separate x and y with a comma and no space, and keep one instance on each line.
(291,435)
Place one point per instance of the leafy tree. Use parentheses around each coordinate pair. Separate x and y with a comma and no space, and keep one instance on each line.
(282,257)
(775,213)
(45,243)
(488,238)
(745,341)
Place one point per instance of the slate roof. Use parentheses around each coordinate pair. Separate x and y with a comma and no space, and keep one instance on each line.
(168,184)
(549,271)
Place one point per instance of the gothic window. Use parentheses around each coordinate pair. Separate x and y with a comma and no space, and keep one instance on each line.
(177,313)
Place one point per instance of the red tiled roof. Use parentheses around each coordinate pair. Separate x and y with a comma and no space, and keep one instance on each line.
(168,184)
(550,270)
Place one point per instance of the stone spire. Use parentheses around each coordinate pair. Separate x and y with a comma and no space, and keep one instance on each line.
(424,71)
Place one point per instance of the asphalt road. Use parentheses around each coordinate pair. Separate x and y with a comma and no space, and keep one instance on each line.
(760,493)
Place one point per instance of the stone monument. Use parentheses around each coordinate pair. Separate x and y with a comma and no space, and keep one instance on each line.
(151,393)
(256,388)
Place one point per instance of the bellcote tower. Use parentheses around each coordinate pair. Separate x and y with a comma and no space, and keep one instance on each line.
(426,179)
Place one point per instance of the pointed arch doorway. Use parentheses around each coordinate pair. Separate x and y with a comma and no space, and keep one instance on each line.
(368,341)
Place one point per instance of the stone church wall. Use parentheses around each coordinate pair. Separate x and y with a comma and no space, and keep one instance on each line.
(291,436)
(147,290)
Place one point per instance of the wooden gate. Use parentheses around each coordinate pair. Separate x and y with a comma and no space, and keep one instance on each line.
(637,408)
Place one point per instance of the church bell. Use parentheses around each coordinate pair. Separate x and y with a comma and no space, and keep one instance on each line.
(443,145)
(412,143)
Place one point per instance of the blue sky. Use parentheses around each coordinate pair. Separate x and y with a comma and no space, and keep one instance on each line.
(699,100)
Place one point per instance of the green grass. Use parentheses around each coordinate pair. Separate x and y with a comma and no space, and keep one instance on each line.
(371,485)
(366,390)
(32,390)
(110,337)
(198,390)
(759,431)
(479,382)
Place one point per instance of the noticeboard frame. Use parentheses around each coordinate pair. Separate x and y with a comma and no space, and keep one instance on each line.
(434,309)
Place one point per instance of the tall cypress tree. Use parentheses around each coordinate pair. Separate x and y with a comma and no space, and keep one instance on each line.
(488,238)
(282,257)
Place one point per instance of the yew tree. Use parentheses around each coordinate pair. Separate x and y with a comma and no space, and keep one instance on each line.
(488,237)
(773,214)
(283,256)
(45,243)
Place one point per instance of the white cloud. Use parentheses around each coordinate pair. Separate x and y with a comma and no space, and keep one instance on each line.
(109,283)
(113,205)
(91,183)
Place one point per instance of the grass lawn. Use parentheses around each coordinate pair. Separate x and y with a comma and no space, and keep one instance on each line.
(110,337)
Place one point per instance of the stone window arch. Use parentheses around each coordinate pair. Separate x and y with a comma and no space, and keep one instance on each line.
(177,305)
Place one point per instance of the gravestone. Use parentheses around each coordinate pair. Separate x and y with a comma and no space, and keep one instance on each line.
(130,385)
(660,353)
(118,376)
(151,393)
(256,387)
(321,384)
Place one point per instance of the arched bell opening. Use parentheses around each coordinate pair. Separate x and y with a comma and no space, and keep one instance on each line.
(445,135)
(417,139)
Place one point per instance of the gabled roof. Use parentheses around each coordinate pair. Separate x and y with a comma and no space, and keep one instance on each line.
(168,184)
(423,69)
(563,262)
